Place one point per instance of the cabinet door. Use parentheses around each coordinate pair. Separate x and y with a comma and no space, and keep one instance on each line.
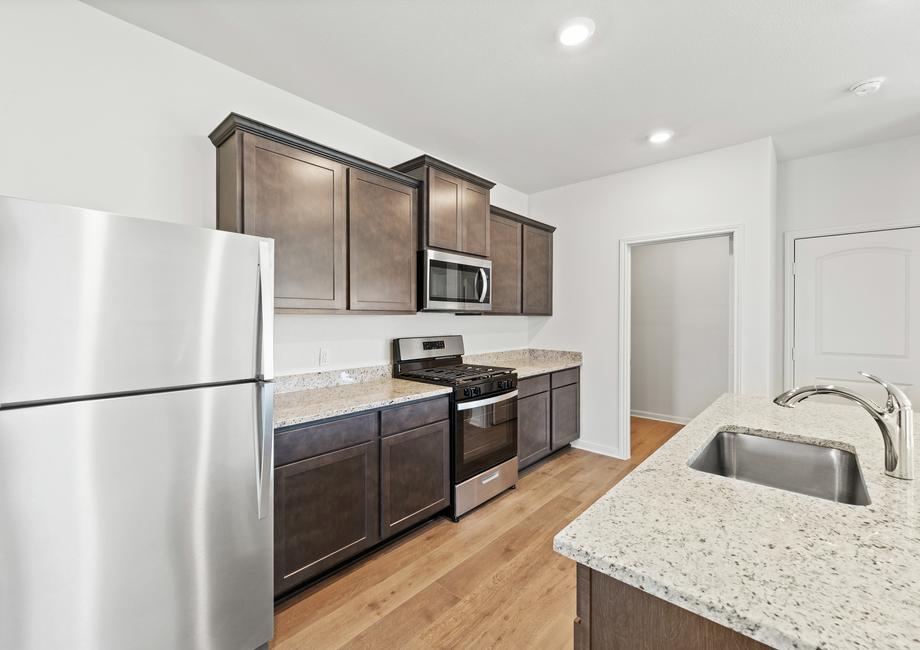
(326,511)
(381,241)
(415,481)
(565,415)
(533,429)
(505,236)
(538,271)
(474,220)
(298,199)
(445,194)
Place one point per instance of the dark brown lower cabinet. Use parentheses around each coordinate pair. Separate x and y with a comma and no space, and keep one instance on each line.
(565,405)
(326,510)
(415,476)
(548,414)
(533,428)
(611,615)
(344,485)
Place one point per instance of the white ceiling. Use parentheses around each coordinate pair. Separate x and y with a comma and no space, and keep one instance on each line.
(485,85)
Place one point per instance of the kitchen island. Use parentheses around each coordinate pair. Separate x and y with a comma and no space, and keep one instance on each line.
(753,563)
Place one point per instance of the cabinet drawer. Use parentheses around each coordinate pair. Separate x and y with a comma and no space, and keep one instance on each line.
(412,416)
(312,440)
(565,377)
(532,386)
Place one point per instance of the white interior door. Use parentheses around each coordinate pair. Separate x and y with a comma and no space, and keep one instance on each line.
(857,307)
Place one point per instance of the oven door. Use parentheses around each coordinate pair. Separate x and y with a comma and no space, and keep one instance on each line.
(456,282)
(486,434)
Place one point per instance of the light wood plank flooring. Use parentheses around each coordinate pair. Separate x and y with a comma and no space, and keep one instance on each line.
(491,581)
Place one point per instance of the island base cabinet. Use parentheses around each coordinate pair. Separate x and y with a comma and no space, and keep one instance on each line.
(611,615)
(533,428)
(415,476)
(326,511)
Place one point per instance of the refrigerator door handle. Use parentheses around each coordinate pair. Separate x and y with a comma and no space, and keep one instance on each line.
(266,370)
(265,449)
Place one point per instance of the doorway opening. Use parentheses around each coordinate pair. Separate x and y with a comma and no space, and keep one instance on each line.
(679,312)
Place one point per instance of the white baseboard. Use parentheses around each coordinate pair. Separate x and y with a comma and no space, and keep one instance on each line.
(595,448)
(660,416)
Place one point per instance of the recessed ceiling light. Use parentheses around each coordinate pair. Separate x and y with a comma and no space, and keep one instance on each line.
(576,31)
(660,137)
(867,86)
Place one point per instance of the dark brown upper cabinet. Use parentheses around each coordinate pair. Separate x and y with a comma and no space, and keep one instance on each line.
(455,206)
(344,228)
(522,264)
(505,234)
(298,199)
(537,285)
(382,258)
(445,193)
(474,220)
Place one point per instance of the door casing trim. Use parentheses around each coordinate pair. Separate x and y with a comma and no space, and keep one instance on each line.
(736,232)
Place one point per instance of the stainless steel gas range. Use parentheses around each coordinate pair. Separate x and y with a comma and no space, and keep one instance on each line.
(484,416)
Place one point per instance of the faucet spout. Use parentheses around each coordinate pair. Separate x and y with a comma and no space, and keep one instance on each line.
(895,420)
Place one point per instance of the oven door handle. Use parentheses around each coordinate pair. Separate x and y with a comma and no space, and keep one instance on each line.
(466,406)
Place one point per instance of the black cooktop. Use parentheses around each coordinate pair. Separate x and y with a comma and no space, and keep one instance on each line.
(456,374)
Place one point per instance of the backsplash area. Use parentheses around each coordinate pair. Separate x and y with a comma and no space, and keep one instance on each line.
(357,341)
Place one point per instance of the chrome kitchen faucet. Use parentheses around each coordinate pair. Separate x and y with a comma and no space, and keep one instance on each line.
(895,420)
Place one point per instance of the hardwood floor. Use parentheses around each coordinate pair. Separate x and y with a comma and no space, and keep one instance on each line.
(491,581)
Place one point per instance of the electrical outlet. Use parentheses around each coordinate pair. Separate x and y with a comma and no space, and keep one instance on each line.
(323,356)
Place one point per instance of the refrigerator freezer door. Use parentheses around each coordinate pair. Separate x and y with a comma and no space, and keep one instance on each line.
(93,303)
(133,522)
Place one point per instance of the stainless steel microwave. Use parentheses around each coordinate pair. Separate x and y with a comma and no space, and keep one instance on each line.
(452,282)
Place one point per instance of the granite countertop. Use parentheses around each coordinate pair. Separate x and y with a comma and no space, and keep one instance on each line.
(789,570)
(317,396)
(528,362)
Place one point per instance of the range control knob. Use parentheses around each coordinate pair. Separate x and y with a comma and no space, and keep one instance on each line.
(467,392)
(477,390)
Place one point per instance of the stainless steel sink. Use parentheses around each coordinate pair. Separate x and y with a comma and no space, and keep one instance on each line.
(823,472)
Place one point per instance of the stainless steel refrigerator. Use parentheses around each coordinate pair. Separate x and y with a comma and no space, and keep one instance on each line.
(135,433)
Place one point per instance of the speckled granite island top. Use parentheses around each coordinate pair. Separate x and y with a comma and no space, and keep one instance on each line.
(528,362)
(789,570)
(317,396)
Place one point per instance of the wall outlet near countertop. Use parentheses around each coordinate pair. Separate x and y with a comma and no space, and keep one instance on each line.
(323,356)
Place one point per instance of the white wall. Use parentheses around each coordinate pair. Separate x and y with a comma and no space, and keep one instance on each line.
(875,185)
(681,327)
(724,187)
(98,113)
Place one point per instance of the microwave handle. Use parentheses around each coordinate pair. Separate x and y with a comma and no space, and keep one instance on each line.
(485,285)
